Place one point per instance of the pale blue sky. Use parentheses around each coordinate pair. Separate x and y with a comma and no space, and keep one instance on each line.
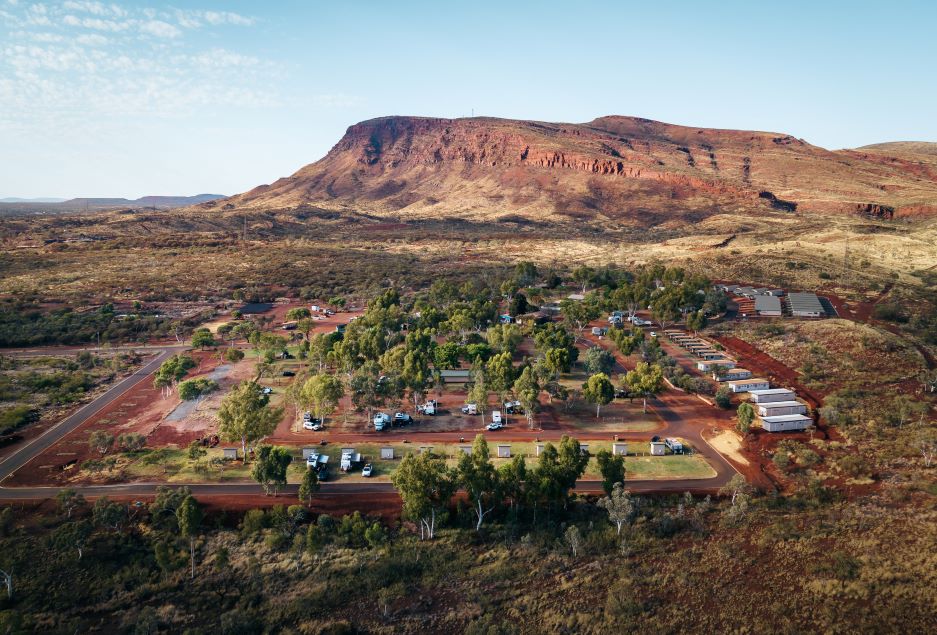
(136,98)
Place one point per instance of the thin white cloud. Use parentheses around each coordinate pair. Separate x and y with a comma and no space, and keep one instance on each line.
(158,28)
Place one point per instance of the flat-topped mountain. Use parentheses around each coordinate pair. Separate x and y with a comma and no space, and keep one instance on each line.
(622,168)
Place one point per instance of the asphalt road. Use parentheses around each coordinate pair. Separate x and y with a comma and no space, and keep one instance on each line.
(35,447)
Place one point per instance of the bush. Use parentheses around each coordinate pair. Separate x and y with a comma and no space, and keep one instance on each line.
(17,417)
(889,313)
(254,521)
(195,388)
(723,397)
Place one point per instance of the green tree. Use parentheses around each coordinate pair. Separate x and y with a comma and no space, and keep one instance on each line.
(598,360)
(298,313)
(101,441)
(745,416)
(504,337)
(478,477)
(173,370)
(322,393)
(528,393)
(558,360)
(598,390)
(512,477)
(447,356)
(270,467)
(309,486)
(245,415)
(203,338)
(612,469)
(72,535)
(646,380)
(723,397)
(196,452)
(478,393)
(499,372)
(233,355)
(189,519)
(619,505)
(69,500)
(425,485)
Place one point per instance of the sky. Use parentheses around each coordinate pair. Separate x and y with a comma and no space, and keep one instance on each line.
(144,98)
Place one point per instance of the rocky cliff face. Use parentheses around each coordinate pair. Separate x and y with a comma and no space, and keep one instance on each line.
(621,168)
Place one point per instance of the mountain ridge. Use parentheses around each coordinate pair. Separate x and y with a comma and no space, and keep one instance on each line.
(626,169)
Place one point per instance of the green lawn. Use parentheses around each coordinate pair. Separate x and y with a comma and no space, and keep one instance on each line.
(174,467)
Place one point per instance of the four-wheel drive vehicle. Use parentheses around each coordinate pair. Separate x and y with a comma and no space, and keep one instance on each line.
(470,409)
(620,393)
(429,408)
(496,417)
(494,426)
(266,390)
(381,421)
(402,419)
(288,373)
(350,458)
(367,470)
(312,423)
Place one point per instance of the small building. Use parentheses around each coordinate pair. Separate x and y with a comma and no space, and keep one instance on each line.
(309,451)
(584,448)
(708,354)
(772,395)
(465,449)
(620,448)
(599,330)
(230,454)
(540,447)
(426,449)
(504,451)
(658,448)
(711,364)
(734,374)
(786,423)
(746,385)
(778,408)
(768,305)
(456,376)
(805,305)
(387,453)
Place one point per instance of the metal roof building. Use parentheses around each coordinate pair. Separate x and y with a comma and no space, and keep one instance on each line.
(806,305)
(783,423)
(768,305)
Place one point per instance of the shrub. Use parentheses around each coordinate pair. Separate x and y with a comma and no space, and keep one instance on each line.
(723,397)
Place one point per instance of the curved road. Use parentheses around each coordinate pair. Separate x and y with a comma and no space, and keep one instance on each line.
(678,410)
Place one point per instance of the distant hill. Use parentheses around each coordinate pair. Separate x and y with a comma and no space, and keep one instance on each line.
(623,169)
(912,147)
(14,199)
(19,207)
(145,201)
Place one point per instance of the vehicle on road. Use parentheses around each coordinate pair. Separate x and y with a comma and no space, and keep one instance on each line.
(494,426)
(367,470)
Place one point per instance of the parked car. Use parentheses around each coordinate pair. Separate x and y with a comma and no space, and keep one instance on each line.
(494,426)
(266,390)
(402,419)
(367,470)
(313,423)
(381,421)
(620,393)
(470,409)
(288,373)
(653,334)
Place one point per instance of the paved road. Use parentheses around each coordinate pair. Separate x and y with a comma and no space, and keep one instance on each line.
(35,447)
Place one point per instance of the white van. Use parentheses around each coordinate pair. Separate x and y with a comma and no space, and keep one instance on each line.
(381,421)
(470,409)
(496,416)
